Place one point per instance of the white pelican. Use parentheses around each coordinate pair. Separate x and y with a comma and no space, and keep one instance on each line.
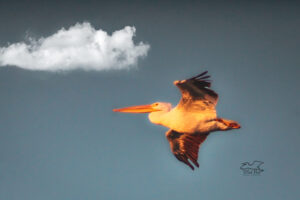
(191,121)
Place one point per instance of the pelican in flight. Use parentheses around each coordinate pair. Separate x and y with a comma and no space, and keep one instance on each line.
(191,121)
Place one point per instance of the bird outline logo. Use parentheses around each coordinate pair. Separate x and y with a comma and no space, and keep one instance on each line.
(252,169)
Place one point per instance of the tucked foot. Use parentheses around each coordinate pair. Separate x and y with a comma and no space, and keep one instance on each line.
(229,123)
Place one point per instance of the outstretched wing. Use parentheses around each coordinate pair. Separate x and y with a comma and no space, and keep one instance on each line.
(196,93)
(257,164)
(185,147)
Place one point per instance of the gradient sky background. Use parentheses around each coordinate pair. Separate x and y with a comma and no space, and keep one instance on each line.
(59,138)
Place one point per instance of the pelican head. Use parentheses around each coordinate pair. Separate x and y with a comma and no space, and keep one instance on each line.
(149,108)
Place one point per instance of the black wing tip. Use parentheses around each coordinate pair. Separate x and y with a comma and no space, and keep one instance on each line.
(195,163)
(203,73)
(191,166)
(183,158)
(200,76)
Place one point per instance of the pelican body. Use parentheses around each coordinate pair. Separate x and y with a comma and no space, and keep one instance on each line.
(191,121)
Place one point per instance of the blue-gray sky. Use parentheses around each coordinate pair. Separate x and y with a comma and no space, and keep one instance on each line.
(59,138)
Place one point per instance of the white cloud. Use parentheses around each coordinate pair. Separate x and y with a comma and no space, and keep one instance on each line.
(79,47)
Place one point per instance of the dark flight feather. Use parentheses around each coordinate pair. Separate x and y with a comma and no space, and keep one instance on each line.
(185,147)
(196,91)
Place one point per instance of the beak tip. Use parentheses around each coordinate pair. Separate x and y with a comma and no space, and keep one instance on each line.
(135,109)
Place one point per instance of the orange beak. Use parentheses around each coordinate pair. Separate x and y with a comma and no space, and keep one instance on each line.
(137,109)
